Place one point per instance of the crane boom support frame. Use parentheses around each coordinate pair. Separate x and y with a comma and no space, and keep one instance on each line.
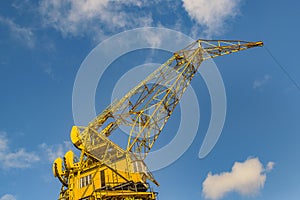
(147,107)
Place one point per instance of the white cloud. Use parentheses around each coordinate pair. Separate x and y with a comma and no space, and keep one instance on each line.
(78,18)
(8,197)
(212,14)
(21,158)
(3,141)
(57,150)
(21,34)
(15,159)
(261,82)
(153,39)
(270,166)
(247,178)
(101,18)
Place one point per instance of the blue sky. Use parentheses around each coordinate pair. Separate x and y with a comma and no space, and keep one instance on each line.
(43,44)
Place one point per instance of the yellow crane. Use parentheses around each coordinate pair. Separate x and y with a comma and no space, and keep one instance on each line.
(104,170)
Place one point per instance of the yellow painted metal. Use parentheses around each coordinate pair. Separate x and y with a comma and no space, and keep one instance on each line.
(107,171)
(57,167)
(147,107)
(88,178)
(69,159)
(75,137)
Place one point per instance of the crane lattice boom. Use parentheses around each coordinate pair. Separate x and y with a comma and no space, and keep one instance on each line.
(148,106)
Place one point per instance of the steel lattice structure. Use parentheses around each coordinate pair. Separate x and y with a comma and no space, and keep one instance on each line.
(146,109)
(148,106)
